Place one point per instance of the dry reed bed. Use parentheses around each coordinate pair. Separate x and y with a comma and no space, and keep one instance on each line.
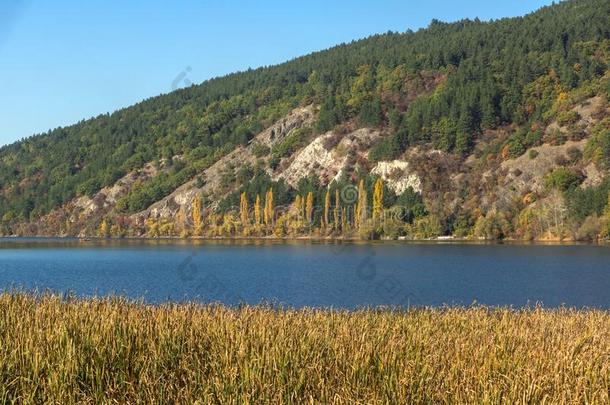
(110,350)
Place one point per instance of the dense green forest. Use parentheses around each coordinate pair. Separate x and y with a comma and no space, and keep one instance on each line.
(441,88)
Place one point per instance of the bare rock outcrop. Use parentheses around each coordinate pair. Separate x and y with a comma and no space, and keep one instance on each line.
(327,158)
(398,176)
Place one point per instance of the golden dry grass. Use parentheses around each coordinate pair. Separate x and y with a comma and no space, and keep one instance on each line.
(100,351)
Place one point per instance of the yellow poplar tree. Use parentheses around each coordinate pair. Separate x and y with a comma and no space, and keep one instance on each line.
(243,209)
(309,208)
(378,199)
(361,206)
(298,206)
(336,210)
(197,223)
(180,222)
(269,207)
(326,208)
(153,228)
(104,230)
(257,210)
(606,220)
(116,231)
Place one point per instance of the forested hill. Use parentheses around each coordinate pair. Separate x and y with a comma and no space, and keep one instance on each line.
(493,129)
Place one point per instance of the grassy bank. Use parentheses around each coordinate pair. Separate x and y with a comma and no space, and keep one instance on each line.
(64,351)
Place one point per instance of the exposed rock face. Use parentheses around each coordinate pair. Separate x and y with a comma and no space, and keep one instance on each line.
(107,197)
(442,178)
(298,118)
(397,176)
(80,216)
(182,198)
(527,174)
(325,159)
(594,177)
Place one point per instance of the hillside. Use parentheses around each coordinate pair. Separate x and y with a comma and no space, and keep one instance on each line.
(494,129)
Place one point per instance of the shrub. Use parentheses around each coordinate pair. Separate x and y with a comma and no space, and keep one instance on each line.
(563,179)
(533,138)
(516,148)
(561,160)
(427,227)
(492,226)
(567,118)
(574,154)
(590,229)
(533,153)
(598,147)
(555,137)
(576,133)
(274,162)
(260,150)
(292,142)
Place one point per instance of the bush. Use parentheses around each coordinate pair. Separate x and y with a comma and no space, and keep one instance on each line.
(567,118)
(563,179)
(292,142)
(574,154)
(533,138)
(274,162)
(492,226)
(89,187)
(561,160)
(598,147)
(516,148)
(259,150)
(576,133)
(427,227)
(590,229)
(533,154)
(555,137)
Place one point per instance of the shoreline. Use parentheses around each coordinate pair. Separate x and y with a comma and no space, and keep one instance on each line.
(312,239)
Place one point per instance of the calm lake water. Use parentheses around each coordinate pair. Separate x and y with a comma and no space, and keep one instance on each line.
(308,274)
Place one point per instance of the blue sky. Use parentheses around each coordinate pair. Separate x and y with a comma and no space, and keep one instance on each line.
(65,60)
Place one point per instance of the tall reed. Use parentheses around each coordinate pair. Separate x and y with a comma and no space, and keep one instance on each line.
(66,351)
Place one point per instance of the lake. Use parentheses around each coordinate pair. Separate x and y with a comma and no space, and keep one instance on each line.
(313,274)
